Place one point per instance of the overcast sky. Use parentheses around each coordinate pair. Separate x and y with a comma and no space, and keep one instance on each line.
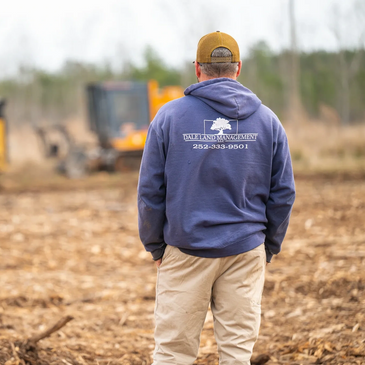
(45,34)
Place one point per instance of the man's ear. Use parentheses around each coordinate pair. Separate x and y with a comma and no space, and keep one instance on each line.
(198,71)
(239,68)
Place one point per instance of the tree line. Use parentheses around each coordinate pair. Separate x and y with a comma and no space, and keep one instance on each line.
(331,84)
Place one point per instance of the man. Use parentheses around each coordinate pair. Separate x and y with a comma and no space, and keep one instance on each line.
(215,194)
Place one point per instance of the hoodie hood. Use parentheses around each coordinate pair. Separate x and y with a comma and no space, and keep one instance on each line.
(226,96)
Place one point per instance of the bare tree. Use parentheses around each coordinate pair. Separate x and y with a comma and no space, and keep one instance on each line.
(295,107)
(348,68)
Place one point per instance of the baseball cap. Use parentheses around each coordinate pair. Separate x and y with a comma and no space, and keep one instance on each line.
(210,42)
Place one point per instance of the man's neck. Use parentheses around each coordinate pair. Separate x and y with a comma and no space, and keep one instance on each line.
(206,78)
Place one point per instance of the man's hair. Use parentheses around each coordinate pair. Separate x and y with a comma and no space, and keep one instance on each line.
(220,69)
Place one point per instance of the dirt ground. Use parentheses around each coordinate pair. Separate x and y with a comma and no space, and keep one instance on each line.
(72,248)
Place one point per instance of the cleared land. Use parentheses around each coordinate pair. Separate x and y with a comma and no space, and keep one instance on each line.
(72,248)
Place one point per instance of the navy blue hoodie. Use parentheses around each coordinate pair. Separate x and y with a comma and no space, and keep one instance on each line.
(216,175)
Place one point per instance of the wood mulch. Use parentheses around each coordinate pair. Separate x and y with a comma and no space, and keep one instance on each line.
(72,254)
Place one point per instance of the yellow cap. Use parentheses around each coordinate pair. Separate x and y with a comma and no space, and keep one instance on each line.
(210,42)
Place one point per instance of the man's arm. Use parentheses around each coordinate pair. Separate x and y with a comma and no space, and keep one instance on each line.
(151,195)
(282,194)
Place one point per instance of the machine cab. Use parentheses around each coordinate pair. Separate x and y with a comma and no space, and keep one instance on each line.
(119,114)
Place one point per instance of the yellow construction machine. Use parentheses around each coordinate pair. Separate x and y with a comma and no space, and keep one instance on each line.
(3,139)
(119,114)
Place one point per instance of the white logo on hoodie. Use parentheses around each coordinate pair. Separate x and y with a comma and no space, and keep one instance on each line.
(220,125)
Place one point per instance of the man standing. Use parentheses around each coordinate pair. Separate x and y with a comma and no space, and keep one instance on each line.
(215,194)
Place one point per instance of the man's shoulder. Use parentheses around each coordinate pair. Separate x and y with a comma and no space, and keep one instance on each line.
(268,116)
(266,111)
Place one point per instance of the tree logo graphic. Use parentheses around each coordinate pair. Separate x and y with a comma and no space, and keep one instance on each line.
(220,124)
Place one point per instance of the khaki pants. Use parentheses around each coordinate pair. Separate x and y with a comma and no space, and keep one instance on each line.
(186,285)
